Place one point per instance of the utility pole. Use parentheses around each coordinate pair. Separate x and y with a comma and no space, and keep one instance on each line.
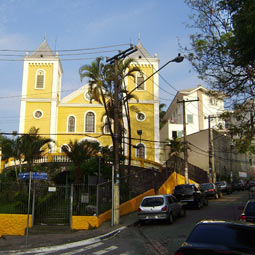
(210,146)
(186,172)
(116,144)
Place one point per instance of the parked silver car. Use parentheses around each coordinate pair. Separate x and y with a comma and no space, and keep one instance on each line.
(160,207)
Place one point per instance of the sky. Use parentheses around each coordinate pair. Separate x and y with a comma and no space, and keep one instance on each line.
(161,26)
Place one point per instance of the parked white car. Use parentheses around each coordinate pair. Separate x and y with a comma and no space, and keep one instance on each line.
(160,207)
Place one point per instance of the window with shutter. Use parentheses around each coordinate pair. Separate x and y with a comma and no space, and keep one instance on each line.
(140,81)
(71,124)
(90,122)
(40,79)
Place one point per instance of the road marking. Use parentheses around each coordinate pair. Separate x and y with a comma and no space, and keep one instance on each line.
(77,251)
(60,247)
(108,249)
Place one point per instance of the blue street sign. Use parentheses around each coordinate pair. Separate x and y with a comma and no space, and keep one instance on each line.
(24,176)
(35,176)
(40,176)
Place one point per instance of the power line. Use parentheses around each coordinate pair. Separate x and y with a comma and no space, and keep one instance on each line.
(68,50)
(159,73)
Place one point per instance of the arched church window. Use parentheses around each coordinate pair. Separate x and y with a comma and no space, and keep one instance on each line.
(107,126)
(71,124)
(140,84)
(140,151)
(90,122)
(40,79)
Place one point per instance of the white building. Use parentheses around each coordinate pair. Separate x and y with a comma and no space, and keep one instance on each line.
(203,104)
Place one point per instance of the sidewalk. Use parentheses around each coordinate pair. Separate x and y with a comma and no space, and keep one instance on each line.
(54,235)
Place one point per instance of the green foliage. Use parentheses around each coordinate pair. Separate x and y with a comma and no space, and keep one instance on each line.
(223,53)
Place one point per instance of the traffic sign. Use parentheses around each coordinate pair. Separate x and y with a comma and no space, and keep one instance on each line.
(35,176)
(24,176)
(40,176)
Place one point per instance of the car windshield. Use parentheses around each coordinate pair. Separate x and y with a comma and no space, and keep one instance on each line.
(250,208)
(152,201)
(207,186)
(187,189)
(223,234)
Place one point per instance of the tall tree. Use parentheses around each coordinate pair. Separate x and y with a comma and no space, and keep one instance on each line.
(33,146)
(11,148)
(79,152)
(101,87)
(222,52)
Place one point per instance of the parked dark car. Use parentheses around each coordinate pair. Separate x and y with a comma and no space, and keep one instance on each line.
(211,190)
(219,237)
(237,185)
(248,213)
(224,186)
(191,195)
(160,207)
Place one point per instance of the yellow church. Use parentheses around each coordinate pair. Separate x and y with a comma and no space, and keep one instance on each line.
(74,117)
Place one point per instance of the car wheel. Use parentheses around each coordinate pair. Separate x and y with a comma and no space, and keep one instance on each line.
(182,212)
(216,196)
(170,218)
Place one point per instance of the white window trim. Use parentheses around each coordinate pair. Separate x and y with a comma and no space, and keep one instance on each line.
(85,115)
(144,117)
(44,75)
(144,76)
(136,152)
(35,112)
(67,123)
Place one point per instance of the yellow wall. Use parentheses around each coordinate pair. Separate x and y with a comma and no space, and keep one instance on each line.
(173,180)
(43,123)
(89,222)
(147,127)
(39,93)
(149,90)
(14,224)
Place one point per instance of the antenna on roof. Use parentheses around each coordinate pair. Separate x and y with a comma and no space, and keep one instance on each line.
(139,37)
(44,36)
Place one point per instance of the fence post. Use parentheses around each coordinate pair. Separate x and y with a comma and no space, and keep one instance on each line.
(71,206)
(97,211)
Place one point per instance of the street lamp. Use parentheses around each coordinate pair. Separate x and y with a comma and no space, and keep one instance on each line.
(140,132)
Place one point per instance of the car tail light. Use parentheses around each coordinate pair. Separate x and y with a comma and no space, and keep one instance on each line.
(211,190)
(243,218)
(164,209)
(179,253)
(139,209)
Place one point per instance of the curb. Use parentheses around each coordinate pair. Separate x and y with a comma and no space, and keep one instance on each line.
(60,247)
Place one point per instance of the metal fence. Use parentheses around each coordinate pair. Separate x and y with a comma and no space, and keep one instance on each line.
(55,204)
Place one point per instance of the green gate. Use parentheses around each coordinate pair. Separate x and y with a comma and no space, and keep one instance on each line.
(51,204)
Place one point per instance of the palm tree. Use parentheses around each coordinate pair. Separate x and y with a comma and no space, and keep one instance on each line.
(176,147)
(78,152)
(101,88)
(100,83)
(32,146)
(11,148)
(125,70)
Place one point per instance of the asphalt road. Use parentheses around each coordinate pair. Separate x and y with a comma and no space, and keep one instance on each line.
(169,237)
